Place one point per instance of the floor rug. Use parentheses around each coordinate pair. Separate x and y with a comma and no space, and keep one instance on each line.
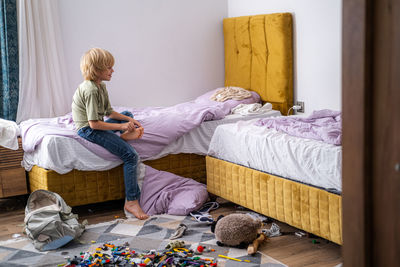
(142,236)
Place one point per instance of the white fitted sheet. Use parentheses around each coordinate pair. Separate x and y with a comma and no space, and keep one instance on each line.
(63,154)
(304,160)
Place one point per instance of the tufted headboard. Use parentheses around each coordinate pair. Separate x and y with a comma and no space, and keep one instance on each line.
(259,56)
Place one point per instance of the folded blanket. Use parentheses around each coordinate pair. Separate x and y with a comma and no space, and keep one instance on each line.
(230,92)
(9,132)
(256,108)
(324,125)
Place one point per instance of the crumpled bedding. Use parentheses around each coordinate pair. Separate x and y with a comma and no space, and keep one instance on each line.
(9,132)
(303,160)
(162,125)
(323,125)
(255,108)
(167,193)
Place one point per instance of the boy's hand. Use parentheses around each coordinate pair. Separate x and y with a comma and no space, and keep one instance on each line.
(135,122)
(138,127)
(129,126)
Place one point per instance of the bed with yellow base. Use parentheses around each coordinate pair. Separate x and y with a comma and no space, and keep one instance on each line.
(87,187)
(258,57)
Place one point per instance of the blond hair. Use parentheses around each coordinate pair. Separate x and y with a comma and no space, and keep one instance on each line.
(94,61)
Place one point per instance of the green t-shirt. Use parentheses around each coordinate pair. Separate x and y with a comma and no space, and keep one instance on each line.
(90,103)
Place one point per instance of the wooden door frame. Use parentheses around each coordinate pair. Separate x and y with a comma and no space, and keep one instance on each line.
(371,186)
(356,73)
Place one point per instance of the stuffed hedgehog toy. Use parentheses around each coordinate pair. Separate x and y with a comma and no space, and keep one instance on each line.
(236,230)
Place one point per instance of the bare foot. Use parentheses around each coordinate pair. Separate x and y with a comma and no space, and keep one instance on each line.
(136,134)
(141,131)
(134,208)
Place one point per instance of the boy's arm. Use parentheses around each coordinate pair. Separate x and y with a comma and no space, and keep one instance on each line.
(101,125)
(118,116)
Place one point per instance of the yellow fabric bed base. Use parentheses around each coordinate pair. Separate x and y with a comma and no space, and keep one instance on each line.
(87,187)
(314,210)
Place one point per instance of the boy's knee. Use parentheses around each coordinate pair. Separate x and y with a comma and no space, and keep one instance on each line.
(127,113)
(131,156)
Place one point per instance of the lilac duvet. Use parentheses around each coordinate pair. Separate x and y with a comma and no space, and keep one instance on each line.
(324,125)
(162,125)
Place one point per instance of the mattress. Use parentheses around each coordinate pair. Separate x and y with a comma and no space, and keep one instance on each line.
(63,154)
(302,160)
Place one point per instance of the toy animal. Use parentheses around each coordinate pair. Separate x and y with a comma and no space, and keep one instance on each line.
(236,230)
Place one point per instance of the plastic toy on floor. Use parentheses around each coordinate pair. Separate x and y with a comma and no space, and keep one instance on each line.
(175,244)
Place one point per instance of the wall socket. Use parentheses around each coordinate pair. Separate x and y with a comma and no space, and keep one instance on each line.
(301,104)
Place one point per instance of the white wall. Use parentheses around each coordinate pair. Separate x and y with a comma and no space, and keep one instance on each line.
(170,51)
(317,46)
(166,51)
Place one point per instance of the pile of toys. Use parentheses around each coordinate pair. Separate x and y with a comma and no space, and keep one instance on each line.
(110,255)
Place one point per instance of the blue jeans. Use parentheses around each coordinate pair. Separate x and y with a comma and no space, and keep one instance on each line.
(119,147)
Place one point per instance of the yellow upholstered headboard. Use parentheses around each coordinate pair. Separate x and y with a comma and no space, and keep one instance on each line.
(259,56)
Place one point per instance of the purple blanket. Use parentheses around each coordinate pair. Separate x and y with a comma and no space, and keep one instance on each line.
(164,192)
(324,125)
(162,125)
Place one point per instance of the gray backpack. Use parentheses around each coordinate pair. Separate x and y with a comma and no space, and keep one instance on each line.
(49,221)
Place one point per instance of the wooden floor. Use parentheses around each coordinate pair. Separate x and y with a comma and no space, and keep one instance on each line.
(288,249)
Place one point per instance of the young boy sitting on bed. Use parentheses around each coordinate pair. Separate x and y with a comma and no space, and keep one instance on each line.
(89,106)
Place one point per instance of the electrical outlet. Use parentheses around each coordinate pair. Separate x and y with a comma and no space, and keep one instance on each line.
(301,104)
